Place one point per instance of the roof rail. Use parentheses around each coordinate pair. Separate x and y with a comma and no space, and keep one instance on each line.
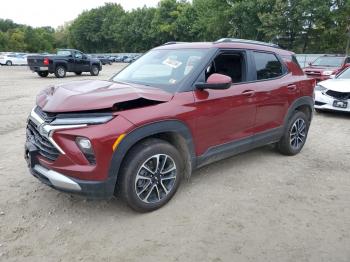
(245,41)
(173,43)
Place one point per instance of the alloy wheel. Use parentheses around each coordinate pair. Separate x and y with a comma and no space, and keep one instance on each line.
(297,133)
(155,178)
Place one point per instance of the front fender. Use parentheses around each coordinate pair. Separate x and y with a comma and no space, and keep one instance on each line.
(174,126)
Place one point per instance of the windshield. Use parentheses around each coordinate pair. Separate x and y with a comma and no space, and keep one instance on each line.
(345,74)
(328,61)
(165,69)
(63,53)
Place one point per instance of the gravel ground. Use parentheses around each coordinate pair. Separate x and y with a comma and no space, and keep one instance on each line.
(258,206)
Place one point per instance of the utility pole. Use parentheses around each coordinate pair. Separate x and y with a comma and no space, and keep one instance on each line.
(348,44)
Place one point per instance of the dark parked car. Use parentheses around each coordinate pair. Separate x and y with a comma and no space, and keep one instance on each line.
(65,60)
(104,60)
(118,59)
(177,108)
(128,59)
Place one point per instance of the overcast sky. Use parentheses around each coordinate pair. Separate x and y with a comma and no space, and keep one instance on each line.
(54,13)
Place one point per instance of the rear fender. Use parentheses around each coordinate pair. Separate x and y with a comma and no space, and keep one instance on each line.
(302,101)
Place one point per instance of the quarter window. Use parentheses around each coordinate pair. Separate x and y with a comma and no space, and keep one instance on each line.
(267,66)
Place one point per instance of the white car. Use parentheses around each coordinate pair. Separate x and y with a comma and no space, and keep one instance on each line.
(13,59)
(334,94)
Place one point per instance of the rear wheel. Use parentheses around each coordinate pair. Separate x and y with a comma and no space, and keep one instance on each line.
(78,73)
(60,71)
(150,175)
(295,135)
(94,71)
(9,63)
(43,73)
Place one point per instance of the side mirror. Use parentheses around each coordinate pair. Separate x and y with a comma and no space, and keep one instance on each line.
(310,64)
(216,81)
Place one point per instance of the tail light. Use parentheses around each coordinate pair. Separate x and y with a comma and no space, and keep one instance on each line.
(46,61)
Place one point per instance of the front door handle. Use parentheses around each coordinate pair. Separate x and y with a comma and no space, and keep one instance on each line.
(248,93)
(292,87)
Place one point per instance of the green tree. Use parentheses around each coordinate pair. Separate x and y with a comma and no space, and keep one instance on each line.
(213,19)
(16,40)
(95,30)
(312,26)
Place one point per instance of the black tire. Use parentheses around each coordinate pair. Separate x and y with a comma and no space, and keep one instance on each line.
(78,73)
(95,70)
(161,186)
(43,73)
(293,141)
(9,63)
(60,71)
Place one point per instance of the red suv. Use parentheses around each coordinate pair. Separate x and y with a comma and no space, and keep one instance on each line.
(177,108)
(324,66)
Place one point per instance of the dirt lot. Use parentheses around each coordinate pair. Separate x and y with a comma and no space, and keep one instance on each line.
(259,206)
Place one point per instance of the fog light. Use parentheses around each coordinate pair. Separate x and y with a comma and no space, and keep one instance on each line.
(84,143)
(86,148)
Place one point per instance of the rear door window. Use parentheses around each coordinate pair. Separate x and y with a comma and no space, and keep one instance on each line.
(267,66)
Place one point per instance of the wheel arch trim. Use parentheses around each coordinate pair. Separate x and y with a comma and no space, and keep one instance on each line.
(301,101)
(148,130)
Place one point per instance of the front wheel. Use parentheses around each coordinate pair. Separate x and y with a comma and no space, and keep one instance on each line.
(150,175)
(295,135)
(94,70)
(9,63)
(43,73)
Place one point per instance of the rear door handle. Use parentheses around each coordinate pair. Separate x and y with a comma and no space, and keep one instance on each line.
(248,93)
(292,87)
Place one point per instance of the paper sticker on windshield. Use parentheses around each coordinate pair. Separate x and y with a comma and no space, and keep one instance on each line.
(172,63)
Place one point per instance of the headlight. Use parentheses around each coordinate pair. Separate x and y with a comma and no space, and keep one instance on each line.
(76,120)
(320,88)
(327,73)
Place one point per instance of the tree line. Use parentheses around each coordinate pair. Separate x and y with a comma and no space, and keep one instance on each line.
(304,26)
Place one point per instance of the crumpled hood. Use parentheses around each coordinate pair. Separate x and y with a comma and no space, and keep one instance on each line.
(89,95)
(338,85)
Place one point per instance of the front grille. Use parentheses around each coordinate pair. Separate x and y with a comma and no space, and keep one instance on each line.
(338,95)
(46,149)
